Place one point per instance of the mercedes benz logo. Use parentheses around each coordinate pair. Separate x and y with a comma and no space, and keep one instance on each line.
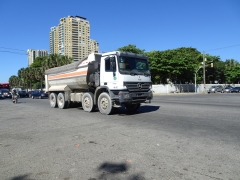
(139,85)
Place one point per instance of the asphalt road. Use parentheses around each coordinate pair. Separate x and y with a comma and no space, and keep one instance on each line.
(175,137)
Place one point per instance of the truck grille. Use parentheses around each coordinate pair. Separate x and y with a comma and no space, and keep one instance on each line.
(137,86)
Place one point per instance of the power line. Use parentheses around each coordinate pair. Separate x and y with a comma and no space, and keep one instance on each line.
(223,47)
(13,49)
(13,52)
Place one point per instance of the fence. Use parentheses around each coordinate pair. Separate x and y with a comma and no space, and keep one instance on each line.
(184,88)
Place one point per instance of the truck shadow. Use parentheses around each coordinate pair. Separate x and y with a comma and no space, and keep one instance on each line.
(22,177)
(106,170)
(110,170)
(143,109)
(121,110)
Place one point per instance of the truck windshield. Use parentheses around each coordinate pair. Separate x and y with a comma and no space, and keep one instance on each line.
(133,66)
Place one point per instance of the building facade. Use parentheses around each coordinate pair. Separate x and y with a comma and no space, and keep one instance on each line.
(33,54)
(72,38)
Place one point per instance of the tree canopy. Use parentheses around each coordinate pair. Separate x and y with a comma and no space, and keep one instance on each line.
(33,76)
(131,48)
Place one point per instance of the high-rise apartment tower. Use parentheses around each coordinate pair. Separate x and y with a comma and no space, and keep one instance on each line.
(32,54)
(72,38)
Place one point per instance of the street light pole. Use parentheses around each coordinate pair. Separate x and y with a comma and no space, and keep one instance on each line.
(196,78)
(204,81)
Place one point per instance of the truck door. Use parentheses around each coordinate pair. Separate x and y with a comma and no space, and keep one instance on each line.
(109,73)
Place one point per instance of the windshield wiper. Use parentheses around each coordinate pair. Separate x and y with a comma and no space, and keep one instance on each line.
(146,74)
(133,73)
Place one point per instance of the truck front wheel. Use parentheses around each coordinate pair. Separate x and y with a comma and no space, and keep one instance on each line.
(53,100)
(132,107)
(87,102)
(105,104)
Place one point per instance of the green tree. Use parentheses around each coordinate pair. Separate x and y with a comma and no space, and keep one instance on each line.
(177,65)
(13,81)
(232,71)
(63,60)
(53,60)
(21,77)
(215,73)
(30,75)
(131,48)
(39,62)
(36,71)
(39,75)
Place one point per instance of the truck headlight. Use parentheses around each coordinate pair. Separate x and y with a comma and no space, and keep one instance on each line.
(126,96)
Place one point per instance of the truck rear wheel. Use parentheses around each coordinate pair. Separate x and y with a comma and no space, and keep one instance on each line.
(53,100)
(132,107)
(105,104)
(61,102)
(87,102)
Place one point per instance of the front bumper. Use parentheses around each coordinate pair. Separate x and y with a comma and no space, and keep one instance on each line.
(135,97)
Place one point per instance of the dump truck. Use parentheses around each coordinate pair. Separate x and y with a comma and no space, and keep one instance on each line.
(102,81)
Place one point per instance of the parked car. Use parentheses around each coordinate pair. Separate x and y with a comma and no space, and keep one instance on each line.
(30,93)
(227,89)
(2,95)
(23,94)
(235,90)
(39,94)
(214,89)
(6,93)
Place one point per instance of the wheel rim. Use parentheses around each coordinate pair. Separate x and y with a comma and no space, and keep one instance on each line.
(60,101)
(104,103)
(87,102)
(52,100)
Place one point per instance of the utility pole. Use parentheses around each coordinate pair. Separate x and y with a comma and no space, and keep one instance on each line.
(196,80)
(204,81)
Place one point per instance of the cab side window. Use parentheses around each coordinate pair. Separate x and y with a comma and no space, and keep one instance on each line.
(107,65)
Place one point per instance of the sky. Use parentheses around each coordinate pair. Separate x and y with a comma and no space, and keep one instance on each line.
(212,26)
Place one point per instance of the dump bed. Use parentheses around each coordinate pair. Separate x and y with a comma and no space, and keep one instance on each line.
(73,75)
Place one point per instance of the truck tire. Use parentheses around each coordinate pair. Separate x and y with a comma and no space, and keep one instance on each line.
(132,107)
(61,102)
(53,100)
(105,104)
(87,102)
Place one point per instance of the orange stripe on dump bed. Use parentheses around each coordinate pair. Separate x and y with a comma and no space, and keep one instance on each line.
(73,74)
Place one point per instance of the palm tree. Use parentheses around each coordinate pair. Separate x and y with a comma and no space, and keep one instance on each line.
(21,76)
(53,60)
(63,60)
(39,74)
(13,81)
(29,73)
(25,77)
